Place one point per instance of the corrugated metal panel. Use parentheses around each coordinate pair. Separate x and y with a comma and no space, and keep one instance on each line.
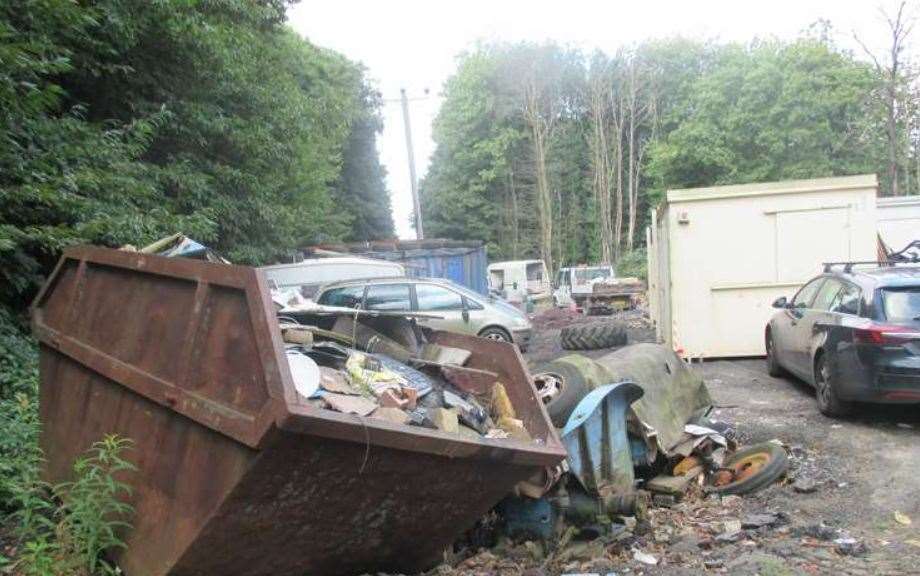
(464,262)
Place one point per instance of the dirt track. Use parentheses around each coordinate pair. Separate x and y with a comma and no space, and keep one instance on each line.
(866,467)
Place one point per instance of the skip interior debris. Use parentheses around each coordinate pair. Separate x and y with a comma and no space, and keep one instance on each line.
(394,375)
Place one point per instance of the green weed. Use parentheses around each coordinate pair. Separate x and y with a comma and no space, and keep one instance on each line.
(66,529)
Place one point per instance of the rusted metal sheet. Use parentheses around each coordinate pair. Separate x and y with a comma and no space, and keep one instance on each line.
(235,474)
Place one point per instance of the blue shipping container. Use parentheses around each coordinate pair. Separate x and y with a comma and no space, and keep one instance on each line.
(463,262)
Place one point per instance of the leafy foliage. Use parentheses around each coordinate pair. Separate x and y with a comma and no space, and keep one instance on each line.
(682,113)
(772,111)
(633,265)
(125,121)
(67,528)
(122,122)
(19,452)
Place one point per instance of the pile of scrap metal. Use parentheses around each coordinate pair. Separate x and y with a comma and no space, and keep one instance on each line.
(179,245)
(376,364)
(609,295)
(910,254)
(634,423)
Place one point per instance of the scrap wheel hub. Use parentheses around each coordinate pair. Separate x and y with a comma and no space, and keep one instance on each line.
(741,470)
(549,386)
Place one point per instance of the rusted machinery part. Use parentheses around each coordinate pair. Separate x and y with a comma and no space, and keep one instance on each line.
(540,483)
(561,386)
(749,470)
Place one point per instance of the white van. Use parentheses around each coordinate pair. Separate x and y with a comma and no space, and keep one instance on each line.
(307,275)
(576,283)
(519,280)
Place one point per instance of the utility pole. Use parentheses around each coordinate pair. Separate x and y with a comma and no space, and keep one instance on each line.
(411,151)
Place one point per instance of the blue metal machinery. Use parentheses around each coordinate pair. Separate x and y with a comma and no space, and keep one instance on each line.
(599,483)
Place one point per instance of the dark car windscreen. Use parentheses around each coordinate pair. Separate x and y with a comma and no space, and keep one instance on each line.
(901,304)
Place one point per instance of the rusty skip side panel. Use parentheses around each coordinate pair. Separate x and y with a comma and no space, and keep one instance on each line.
(185,470)
(236,475)
(351,508)
(180,333)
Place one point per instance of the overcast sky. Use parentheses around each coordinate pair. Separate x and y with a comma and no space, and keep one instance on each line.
(414,44)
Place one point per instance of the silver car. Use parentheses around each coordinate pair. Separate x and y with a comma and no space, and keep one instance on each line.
(460,309)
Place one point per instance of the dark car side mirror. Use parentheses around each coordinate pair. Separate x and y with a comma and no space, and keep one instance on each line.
(781,302)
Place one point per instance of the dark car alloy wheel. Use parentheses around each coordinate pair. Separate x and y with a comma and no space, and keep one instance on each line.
(773,366)
(828,402)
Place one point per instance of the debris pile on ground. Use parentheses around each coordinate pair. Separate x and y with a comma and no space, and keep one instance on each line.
(701,533)
(558,318)
(650,481)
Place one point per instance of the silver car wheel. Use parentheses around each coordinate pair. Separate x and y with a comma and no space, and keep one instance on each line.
(548,386)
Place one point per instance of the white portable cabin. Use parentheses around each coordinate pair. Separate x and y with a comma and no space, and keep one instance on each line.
(899,220)
(719,256)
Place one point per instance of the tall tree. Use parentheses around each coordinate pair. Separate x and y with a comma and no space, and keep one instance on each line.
(618,130)
(891,71)
(600,88)
(361,187)
(121,122)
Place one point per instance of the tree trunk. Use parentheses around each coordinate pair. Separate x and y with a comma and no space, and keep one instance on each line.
(632,174)
(892,130)
(618,111)
(544,199)
(514,217)
(600,165)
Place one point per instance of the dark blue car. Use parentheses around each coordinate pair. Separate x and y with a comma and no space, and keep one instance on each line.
(854,334)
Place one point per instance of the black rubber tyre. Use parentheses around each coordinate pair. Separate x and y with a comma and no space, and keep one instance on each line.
(496,333)
(829,403)
(572,387)
(771,462)
(773,367)
(593,336)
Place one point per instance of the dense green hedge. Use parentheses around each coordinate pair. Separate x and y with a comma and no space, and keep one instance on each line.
(124,121)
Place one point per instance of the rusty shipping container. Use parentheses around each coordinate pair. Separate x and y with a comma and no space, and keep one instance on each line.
(236,474)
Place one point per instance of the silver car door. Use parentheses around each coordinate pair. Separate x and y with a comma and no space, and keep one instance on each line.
(444,303)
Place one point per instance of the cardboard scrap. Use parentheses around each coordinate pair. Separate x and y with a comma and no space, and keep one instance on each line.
(333,380)
(445,419)
(390,414)
(686,465)
(445,354)
(674,485)
(349,404)
(514,428)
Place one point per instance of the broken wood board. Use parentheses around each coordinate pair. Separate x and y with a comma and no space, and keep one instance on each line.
(674,485)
